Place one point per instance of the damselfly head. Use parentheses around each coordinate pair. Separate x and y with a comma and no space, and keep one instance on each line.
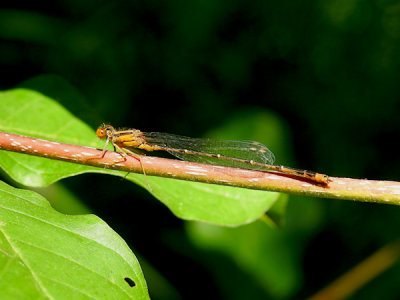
(105,131)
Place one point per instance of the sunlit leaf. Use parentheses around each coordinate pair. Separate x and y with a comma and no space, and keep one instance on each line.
(45,254)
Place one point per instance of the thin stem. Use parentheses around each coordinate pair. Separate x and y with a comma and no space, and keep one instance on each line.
(339,188)
(361,274)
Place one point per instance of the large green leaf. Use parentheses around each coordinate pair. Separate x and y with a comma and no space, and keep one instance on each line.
(33,114)
(47,255)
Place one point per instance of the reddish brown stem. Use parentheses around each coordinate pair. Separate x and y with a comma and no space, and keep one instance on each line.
(340,188)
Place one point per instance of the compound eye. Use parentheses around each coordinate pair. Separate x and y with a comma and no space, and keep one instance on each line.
(101,133)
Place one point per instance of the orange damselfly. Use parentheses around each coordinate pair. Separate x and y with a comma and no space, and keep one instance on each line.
(240,154)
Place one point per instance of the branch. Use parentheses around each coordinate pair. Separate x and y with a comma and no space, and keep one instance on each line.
(339,188)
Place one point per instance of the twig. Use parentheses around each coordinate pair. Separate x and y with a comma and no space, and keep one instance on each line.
(339,188)
(361,274)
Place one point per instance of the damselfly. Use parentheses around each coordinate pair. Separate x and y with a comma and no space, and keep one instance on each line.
(239,154)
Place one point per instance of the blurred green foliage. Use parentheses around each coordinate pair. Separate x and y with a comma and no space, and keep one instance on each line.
(329,69)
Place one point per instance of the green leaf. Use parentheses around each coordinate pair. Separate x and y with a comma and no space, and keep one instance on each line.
(56,87)
(33,114)
(218,204)
(47,255)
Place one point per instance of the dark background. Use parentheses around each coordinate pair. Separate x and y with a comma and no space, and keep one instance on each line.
(329,69)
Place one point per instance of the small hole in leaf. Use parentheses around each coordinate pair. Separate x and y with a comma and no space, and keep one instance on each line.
(130,281)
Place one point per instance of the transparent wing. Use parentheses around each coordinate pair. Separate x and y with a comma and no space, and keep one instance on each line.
(246,150)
